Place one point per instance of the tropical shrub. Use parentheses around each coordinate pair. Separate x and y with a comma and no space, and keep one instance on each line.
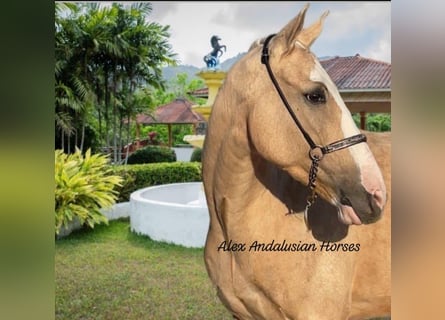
(140,176)
(152,154)
(379,122)
(83,185)
(196,155)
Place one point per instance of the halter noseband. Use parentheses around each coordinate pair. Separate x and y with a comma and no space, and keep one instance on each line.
(316,152)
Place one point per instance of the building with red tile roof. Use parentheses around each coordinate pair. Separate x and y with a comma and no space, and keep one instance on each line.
(363,83)
(178,111)
(358,73)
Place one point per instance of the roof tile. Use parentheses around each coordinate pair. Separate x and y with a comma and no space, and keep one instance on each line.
(349,73)
(177,111)
(356,72)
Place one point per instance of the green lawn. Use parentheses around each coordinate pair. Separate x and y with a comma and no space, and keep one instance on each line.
(111,273)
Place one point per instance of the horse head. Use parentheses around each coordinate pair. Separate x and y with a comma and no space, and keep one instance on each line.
(350,178)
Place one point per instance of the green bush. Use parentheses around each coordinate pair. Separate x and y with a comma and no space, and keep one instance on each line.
(152,154)
(83,185)
(140,176)
(379,122)
(196,155)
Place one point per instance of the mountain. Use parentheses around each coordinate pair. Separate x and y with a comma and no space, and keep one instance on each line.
(191,71)
(227,64)
(169,73)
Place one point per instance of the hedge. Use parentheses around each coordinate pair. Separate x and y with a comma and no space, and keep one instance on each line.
(152,154)
(196,155)
(140,176)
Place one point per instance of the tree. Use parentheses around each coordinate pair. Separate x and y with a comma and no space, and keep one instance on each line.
(181,87)
(76,41)
(104,54)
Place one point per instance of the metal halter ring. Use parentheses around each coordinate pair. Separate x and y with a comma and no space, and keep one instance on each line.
(316,153)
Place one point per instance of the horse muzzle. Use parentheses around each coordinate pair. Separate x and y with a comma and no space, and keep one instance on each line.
(361,206)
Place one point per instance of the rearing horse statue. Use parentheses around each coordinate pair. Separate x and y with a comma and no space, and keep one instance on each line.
(212,59)
(299,210)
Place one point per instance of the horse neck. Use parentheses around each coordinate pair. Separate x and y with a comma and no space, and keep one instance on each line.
(236,168)
(228,168)
(241,174)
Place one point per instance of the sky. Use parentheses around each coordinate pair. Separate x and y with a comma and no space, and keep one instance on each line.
(351,27)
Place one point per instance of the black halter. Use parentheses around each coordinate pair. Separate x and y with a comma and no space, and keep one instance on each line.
(316,152)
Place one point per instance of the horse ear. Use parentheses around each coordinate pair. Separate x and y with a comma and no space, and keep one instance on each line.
(293,28)
(307,36)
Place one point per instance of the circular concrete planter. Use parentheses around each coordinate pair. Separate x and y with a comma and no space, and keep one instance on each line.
(175,213)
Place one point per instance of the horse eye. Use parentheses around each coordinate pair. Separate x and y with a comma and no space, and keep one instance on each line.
(316,97)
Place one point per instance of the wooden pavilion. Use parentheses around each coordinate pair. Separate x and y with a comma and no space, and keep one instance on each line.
(178,111)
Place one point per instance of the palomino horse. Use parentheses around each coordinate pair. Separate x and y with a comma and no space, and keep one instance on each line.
(264,260)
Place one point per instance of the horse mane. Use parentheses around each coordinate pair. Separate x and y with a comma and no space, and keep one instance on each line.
(256,43)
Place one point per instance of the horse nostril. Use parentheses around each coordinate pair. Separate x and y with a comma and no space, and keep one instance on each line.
(379,198)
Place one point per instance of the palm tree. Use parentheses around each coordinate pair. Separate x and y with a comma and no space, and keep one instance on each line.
(103,55)
(66,102)
(139,65)
(72,90)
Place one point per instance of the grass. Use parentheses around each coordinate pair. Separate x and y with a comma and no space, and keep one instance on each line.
(111,273)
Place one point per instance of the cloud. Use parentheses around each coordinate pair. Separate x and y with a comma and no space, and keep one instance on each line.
(352,20)
(363,28)
(194,56)
(380,50)
(350,28)
(161,9)
(264,18)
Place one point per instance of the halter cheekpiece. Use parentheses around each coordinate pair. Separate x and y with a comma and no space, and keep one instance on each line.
(316,152)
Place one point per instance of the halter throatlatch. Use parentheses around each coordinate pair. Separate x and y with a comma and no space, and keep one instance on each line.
(316,152)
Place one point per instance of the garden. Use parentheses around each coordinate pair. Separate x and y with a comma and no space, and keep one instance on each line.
(105,271)
(108,69)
